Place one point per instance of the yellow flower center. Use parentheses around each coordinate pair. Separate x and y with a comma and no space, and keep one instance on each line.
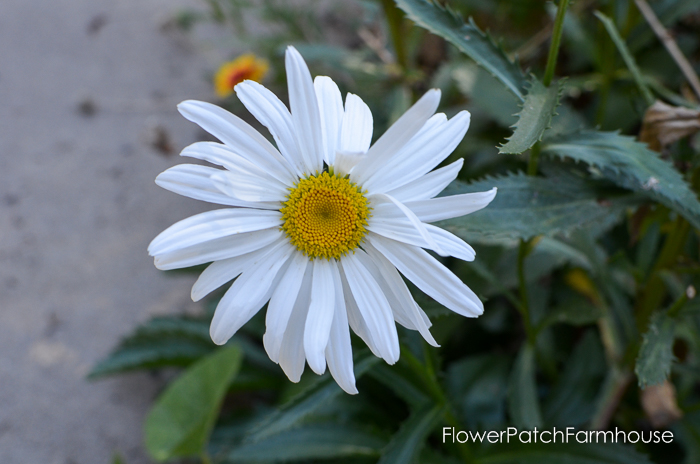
(325,216)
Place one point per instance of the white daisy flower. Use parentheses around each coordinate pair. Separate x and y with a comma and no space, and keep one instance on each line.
(321,227)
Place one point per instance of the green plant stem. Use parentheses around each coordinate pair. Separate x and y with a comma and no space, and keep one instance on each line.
(556,41)
(534,158)
(205,458)
(524,250)
(549,74)
(654,291)
(394,19)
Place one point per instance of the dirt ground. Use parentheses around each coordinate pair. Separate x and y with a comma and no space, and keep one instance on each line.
(87,120)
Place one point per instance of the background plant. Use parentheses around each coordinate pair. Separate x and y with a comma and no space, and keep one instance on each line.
(588,257)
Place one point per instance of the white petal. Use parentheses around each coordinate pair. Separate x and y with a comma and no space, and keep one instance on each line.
(291,356)
(239,136)
(320,316)
(429,275)
(330,106)
(215,250)
(429,185)
(211,225)
(421,154)
(305,114)
(212,152)
(397,136)
(451,244)
(355,319)
(356,132)
(220,272)
(438,209)
(247,295)
(339,349)
(373,305)
(273,114)
(403,304)
(246,186)
(279,310)
(194,181)
(393,220)
(345,161)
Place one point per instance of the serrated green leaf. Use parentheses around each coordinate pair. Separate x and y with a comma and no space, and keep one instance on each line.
(656,354)
(305,403)
(562,453)
(572,400)
(631,165)
(523,403)
(314,441)
(527,206)
(162,341)
(469,39)
(534,118)
(182,418)
(405,446)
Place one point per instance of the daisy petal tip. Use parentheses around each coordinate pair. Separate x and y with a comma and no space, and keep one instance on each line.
(218,334)
(349,389)
(319,367)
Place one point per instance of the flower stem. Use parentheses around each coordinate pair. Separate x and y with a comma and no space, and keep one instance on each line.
(394,19)
(534,158)
(556,41)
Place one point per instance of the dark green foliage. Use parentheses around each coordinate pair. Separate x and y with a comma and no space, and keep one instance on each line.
(315,441)
(523,403)
(656,354)
(160,342)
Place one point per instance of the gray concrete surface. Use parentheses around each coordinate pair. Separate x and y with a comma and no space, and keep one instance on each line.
(78,206)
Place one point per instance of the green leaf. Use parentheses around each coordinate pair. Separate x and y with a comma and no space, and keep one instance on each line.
(527,206)
(562,453)
(656,354)
(182,418)
(315,441)
(400,382)
(477,386)
(523,404)
(469,39)
(631,165)
(305,403)
(572,401)
(535,117)
(626,55)
(162,341)
(405,446)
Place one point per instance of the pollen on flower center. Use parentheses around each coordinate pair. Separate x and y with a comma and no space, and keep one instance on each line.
(325,216)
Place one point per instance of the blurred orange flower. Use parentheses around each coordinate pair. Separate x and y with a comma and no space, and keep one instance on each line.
(244,67)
